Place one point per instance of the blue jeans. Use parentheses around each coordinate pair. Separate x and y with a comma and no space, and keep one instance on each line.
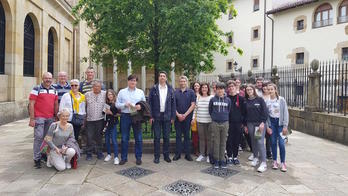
(126,124)
(111,133)
(275,137)
(163,126)
(182,128)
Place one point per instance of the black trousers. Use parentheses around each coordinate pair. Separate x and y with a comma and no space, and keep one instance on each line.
(268,145)
(233,140)
(246,138)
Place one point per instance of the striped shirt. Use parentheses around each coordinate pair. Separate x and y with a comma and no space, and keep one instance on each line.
(86,87)
(61,90)
(201,111)
(44,101)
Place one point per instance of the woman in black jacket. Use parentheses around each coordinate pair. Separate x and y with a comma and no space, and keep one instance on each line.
(255,119)
(236,119)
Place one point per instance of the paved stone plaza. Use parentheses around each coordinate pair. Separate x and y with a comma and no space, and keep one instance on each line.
(315,167)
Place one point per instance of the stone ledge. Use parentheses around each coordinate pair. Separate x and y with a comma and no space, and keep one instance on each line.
(12,111)
(329,126)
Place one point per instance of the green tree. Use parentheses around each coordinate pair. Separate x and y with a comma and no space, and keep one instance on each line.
(155,33)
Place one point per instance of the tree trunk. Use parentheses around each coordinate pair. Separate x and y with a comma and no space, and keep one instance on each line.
(156,41)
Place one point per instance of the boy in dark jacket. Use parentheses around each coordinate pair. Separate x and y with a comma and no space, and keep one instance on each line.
(237,113)
(219,109)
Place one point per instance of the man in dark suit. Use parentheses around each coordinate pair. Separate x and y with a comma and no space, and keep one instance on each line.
(162,105)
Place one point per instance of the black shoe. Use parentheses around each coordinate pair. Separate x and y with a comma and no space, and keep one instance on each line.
(138,162)
(37,164)
(122,162)
(235,162)
(156,160)
(167,159)
(188,157)
(100,156)
(176,157)
(89,157)
(269,156)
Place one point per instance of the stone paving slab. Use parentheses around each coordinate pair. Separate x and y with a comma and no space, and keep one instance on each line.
(315,167)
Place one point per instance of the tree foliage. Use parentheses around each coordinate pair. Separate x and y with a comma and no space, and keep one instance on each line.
(155,33)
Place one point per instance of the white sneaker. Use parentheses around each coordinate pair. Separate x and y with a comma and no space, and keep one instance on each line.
(262,168)
(251,157)
(208,161)
(107,158)
(48,163)
(255,162)
(68,165)
(200,158)
(116,161)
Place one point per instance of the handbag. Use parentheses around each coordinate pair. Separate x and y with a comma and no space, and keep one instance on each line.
(194,124)
(77,119)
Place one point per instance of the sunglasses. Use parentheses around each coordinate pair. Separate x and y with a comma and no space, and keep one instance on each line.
(74,85)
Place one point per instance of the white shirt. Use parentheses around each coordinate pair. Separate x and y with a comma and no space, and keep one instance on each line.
(163,90)
(65,102)
(128,95)
(273,107)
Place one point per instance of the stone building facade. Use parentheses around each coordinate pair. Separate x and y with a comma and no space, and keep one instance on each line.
(37,36)
(302,30)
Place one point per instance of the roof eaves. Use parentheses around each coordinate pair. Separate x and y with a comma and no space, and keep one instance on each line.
(290,6)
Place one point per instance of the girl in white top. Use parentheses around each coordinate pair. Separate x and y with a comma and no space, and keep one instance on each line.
(201,114)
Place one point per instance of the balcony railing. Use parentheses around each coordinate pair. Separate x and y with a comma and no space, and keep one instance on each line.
(342,19)
(322,23)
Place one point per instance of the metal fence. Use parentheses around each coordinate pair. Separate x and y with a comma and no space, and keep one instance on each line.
(334,86)
(293,84)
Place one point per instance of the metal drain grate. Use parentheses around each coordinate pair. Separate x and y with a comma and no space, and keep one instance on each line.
(135,172)
(223,173)
(182,187)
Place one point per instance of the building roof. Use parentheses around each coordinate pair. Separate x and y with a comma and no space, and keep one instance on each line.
(291,6)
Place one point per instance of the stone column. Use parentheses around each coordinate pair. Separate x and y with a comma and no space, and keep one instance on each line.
(115,77)
(313,92)
(101,72)
(129,71)
(172,74)
(143,78)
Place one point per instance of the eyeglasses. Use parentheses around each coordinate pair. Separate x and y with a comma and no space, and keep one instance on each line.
(74,85)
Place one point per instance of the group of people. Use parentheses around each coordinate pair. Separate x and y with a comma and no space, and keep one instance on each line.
(255,113)
(218,120)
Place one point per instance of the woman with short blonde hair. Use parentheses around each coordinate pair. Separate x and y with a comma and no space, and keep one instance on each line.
(60,138)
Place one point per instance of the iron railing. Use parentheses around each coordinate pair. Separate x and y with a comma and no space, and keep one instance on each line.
(342,19)
(322,23)
(334,86)
(293,84)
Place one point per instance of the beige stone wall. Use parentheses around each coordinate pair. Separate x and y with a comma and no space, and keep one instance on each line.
(69,47)
(329,126)
(3,87)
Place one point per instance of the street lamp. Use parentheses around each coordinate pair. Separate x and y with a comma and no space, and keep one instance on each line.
(235,64)
(236,68)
